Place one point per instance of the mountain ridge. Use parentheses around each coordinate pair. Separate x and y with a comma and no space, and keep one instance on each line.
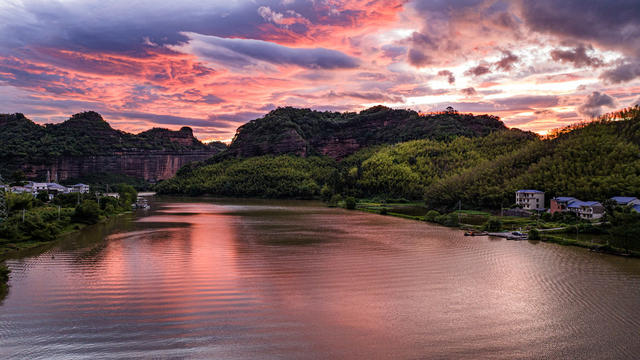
(86,143)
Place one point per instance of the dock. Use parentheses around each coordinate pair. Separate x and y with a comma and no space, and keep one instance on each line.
(512,235)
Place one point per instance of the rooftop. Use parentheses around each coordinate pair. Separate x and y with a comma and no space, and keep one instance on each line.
(565,199)
(623,200)
(530,191)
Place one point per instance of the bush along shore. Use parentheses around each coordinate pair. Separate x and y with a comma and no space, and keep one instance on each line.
(618,234)
(31,221)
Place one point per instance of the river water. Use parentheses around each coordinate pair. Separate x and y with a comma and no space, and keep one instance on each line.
(293,280)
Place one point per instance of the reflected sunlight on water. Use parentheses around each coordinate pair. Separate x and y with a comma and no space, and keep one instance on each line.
(248,280)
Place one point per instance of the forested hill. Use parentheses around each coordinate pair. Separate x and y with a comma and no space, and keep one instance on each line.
(86,144)
(305,132)
(84,134)
(592,161)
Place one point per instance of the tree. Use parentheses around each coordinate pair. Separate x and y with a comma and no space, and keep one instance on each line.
(350,203)
(326,193)
(493,225)
(43,196)
(128,194)
(87,212)
(625,228)
(18,176)
(431,216)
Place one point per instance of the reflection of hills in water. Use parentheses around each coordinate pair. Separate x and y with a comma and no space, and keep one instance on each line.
(210,280)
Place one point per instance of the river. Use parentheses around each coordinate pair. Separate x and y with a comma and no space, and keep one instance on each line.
(295,280)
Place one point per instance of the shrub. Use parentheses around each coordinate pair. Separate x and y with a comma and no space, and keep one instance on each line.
(431,216)
(326,193)
(534,234)
(4,274)
(350,203)
(43,196)
(493,225)
(450,220)
(383,211)
(87,212)
(335,199)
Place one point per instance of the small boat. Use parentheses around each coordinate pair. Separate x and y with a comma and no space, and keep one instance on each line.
(141,204)
(517,235)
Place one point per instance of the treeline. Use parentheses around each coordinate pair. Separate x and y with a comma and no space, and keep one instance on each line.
(23,141)
(402,170)
(307,132)
(593,161)
(35,219)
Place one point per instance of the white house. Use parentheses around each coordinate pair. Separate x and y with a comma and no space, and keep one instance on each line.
(54,188)
(80,188)
(588,210)
(36,186)
(530,199)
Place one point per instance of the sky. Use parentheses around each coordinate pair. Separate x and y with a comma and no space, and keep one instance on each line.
(214,65)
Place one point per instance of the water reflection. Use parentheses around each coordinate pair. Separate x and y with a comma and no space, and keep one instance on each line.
(297,280)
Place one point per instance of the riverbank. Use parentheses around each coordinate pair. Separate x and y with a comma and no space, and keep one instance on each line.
(556,232)
(11,249)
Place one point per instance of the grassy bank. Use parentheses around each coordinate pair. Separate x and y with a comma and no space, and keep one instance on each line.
(599,247)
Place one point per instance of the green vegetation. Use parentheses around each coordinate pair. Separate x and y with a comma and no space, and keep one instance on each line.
(403,170)
(593,161)
(493,225)
(4,279)
(24,142)
(31,222)
(265,176)
(350,203)
(306,132)
(534,234)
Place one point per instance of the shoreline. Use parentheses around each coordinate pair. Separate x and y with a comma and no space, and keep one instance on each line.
(10,249)
(547,238)
(15,249)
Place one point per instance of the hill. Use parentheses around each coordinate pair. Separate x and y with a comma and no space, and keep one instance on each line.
(86,144)
(305,132)
(592,161)
(298,152)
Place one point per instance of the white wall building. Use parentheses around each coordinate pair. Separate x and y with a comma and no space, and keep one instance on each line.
(588,210)
(530,199)
(80,188)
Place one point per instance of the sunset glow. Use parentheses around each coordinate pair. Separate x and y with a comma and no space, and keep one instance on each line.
(538,65)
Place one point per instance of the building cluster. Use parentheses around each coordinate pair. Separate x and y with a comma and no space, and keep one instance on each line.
(534,200)
(50,188)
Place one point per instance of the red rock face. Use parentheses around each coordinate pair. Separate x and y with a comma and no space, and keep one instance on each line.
(151,166)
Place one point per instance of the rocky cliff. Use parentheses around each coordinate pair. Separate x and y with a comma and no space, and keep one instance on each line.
(305,132)
(86,144)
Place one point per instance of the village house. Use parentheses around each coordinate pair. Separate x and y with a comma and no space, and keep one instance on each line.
(560,204)
(626,200)
(80,188)
(588,210)
(530,199)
